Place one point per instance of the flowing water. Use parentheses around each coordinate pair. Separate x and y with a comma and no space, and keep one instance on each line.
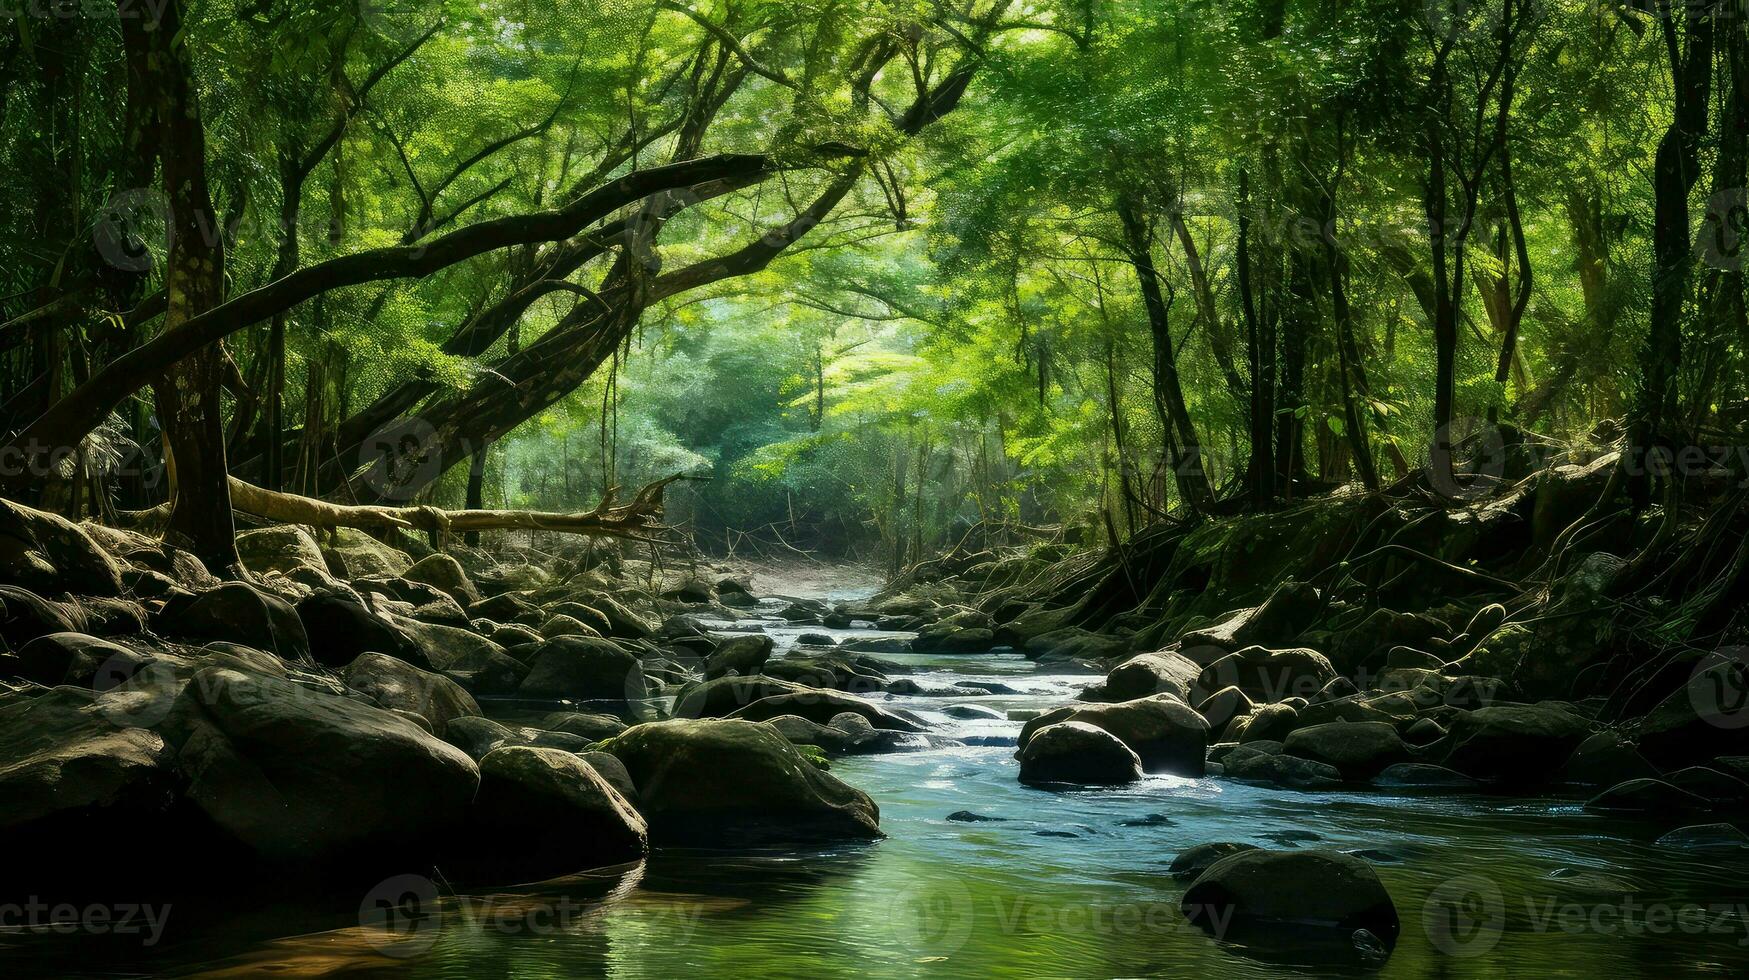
(1063,884)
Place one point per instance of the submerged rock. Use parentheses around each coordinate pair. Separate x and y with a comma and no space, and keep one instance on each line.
(1076,752)
(720,782)
(1647,796)
(1706,836)
(1318,888)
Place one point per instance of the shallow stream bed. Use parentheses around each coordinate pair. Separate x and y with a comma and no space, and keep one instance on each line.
(981,876)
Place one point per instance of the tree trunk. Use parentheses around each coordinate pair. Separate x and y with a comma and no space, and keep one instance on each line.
(187,392)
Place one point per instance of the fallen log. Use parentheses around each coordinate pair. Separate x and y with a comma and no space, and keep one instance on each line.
(639,519)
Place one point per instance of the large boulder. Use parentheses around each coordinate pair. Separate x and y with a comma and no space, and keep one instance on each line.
(1318,888)
(1605,759)
(76,659)
(1165,672)
(352,553)
(339,628)
(1270,675)
(441,571)
(400,686)
(479,664)
(1164,732)
(726,695)
(1514,743)
(283,548)
(83,794)
(541,813)
(308,780)
(239,613)
(1359,750)
(1264,762)
(745,655)
(46,553)
(583,668)
(1076,752)
(725,782)
(621,620)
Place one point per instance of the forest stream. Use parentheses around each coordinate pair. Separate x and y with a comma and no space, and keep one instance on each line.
(982,875)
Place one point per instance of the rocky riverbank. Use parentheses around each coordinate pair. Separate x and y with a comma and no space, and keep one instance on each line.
(356,710)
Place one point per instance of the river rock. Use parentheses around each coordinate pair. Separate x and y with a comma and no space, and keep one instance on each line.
(744,655)
(72,778)
(1647,796)
(591,726)
(1191,863)
(1269,723)
(1264,762)
(1074,643)
(1163,731)
(1605,759)
(1301,887)
(1269,675)
(1076,752)
(1420,775)
(307,780)
(723,782)
(1359,750)
(1221,707)
(583,668)
(47,554)
(443,572)
(1165,672)
(398,685)
(822,706)
(352,553)
(1717,787)
(723,695)
(340,629)
(475,662)
(476,735)
(1705,837)
(240,613)
(1519,743)
(541,813)
(77,659)
(554,627)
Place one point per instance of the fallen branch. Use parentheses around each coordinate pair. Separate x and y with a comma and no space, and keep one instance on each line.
(639,519)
